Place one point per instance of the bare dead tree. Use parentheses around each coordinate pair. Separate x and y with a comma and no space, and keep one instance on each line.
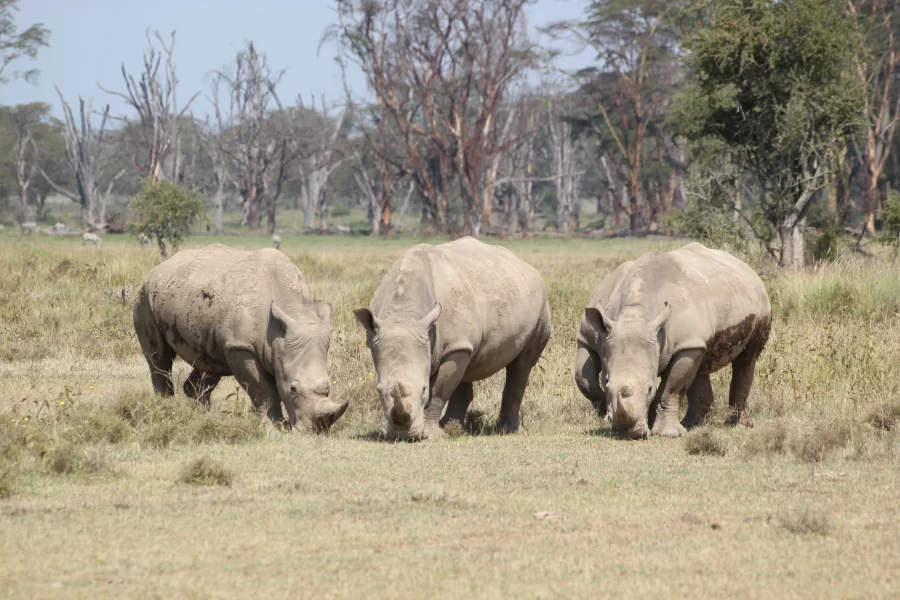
(440,89)
(566,177)
(157,131)
(877,67)
(24,120)
(87,161)
(318,157)
(246,140)
(631,92)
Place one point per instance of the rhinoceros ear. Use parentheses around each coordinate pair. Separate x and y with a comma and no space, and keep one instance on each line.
(323,310)
(661,318)
(281,317)
(599,320)
(367,320)
(428,320)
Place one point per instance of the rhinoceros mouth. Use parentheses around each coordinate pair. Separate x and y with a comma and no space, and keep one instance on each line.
(640,431)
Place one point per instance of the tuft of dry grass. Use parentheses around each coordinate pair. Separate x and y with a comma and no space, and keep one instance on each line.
(706,442)
(805,521)
(206,471)
(766,440)
(885,417)
(9,475)
(821,441)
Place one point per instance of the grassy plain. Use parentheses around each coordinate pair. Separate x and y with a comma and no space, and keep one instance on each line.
(107,491)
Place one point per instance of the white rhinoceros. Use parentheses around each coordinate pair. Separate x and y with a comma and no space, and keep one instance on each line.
(446,316)
(678,315)
(246,314)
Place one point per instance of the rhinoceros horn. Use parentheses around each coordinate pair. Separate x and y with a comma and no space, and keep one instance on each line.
(327,412)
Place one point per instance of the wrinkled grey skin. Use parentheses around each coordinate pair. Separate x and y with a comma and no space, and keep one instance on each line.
(654,330)
(446,316)
(246,314)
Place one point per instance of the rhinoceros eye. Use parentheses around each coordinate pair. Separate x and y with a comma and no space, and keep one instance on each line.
(293,388)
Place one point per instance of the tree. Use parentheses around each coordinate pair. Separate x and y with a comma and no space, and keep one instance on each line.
(773,85)
(877,68)
(25,120)
(246,141)
(438,91)
(635,43)
(165,212)
(15,44)
(87,163)
(317,140)
(154,98)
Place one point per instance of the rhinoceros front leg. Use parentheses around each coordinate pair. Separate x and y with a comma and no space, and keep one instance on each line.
(444,383)
(200,386)
(260,386)
(459,402)
(676,380)
(700,399)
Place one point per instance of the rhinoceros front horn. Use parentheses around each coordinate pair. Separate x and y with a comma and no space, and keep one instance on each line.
(327,412)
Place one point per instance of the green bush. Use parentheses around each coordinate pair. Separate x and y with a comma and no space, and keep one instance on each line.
(165,212)
(890,216)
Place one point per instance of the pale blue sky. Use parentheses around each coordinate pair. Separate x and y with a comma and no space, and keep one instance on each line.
(91,38)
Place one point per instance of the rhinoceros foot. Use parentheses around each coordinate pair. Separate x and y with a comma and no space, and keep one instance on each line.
(667,429)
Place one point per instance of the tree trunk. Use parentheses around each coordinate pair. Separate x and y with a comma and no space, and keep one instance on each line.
(220,209)
(792,247)
(253,207)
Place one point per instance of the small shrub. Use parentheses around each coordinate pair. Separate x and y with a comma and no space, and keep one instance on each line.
(816,445)
(165,212)
(827,246)
(454,429)
(765,441)
(9,474)
(63,458)
(340,210)
(706,442)
(94,460)
(886,417)
(206,471)
(890,216)
(230,429)
(97,426)
(161,435)
(805,521)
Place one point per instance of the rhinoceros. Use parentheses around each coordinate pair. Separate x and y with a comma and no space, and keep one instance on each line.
(444,317)
(245,314)
(677,316)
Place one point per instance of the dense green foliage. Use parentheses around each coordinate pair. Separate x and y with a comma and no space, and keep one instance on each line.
(165,212)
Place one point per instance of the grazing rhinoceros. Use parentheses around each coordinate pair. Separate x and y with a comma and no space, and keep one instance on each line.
(246,314)
(446,316)
(680,315)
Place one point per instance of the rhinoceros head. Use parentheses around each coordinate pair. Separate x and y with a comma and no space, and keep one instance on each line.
(401,351)
(300,360)
(630,363)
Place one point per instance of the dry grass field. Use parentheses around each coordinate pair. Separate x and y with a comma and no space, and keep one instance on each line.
(108,491)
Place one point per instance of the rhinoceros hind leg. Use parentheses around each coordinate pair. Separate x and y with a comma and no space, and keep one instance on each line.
(459,402)
(157,352)
(260,386)
(676,380)
(517,373)
(200,386)
(700,399)
(742,370)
